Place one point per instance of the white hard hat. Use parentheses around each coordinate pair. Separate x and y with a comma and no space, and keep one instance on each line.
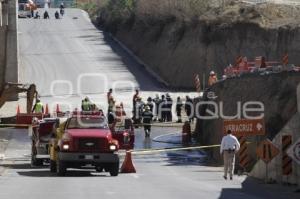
(212,72)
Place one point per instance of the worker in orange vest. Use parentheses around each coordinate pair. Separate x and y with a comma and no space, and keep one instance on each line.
(212,78)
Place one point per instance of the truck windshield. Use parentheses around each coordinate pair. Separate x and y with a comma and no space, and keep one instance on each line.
(87,123)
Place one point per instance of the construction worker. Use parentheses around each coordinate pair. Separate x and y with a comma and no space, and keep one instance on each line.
(178,109)
(111,104)
(38,107)
(86,105)
(188,107)
(150,103)
(109,95)
(212,78)
(169,108)
(156,101)
(229,147)
(163,108)
(138,111)
(135,98)
(147,119)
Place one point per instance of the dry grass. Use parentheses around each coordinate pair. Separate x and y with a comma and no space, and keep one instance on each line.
(158,8)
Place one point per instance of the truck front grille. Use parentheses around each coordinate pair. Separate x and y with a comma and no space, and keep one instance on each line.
(90,144)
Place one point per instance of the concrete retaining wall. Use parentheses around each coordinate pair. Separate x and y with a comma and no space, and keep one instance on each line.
(8,42)
(275,166)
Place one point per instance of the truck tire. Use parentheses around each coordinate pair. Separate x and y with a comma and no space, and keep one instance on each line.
(52,166)
(34,160)
(61,168)
(99,169)
(114,169)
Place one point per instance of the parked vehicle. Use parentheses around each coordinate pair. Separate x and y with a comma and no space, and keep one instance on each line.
(84,139)
(42,133)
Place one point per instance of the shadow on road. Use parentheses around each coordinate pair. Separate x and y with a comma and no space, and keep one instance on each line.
(253,188)
(70,173)
(18,166)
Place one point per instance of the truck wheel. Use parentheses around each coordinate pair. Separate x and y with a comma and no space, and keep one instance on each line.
(52,166)
(99,168)
(35,161)
(61,168)
(114,169)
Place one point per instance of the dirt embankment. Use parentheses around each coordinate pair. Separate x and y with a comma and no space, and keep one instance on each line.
(178,43)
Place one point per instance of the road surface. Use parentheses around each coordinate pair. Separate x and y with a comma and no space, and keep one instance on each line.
(57,52)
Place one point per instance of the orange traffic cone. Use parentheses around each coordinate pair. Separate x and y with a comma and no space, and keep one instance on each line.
(18,109)
(127,166)
(47,110)
(57,108)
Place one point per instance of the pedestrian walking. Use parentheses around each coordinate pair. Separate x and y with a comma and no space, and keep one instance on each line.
(229,147)
(178,109)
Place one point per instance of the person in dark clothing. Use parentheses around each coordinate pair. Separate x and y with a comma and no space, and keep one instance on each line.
(188,108)
(150,104)
(147,119)
(178,109)
(111,118)
(46,15)
(37,16)
(163,108)
(138,111)
(169,108)
(56,15)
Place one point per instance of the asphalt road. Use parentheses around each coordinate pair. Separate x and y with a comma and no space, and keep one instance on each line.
(60,51)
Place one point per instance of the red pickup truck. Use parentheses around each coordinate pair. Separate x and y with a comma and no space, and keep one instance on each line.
(85,140)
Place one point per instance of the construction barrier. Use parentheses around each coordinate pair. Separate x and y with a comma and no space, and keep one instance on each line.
(24,118)
(244,158)
(286,160)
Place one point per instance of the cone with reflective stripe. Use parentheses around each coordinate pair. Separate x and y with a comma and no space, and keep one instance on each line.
(18,110)
(47,110)
(127,166)
(57,108)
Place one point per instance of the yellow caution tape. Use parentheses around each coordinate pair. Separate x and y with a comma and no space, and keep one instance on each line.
(172,149)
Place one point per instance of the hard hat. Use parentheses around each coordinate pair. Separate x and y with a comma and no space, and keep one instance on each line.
(212,72)
(147,108)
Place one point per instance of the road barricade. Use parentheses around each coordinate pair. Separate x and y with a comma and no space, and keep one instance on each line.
(24,118)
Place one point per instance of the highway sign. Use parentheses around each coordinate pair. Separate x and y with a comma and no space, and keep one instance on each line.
(267,151)
(294,151)
(245,127)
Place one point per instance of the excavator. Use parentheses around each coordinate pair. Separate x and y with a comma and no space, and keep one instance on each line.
(9,90)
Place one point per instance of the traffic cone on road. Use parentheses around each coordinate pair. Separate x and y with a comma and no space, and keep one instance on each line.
(57,108)
(127,166)
(46,110)
(18,110)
